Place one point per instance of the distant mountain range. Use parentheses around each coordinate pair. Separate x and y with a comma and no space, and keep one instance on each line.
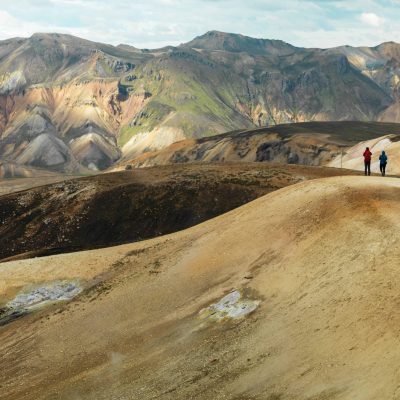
(69,104)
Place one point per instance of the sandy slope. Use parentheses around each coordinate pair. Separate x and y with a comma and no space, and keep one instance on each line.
(128,206)
(321,257)
(353,157)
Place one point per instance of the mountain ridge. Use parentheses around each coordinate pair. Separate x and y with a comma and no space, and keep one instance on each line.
(118,99)
(209,33)
(307,143)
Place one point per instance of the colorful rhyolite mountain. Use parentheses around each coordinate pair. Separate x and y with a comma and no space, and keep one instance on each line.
(68,104)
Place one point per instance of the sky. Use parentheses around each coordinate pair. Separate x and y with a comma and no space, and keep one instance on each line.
(156,23)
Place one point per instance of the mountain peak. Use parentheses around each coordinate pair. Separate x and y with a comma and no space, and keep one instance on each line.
(232,42)
(49,35)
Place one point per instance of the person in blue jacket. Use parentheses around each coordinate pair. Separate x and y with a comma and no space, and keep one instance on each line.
(383,159)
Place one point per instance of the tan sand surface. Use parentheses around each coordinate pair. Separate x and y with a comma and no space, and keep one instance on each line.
(321,258)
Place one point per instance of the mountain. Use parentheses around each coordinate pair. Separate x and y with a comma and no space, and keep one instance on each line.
(72,105)
(306,143)
(292,296)
(234,43)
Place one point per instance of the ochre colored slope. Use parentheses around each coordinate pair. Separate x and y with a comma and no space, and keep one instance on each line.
(353,157)
(320,258)
(127,206)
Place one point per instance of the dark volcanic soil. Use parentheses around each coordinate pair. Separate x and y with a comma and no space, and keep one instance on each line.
(127,206)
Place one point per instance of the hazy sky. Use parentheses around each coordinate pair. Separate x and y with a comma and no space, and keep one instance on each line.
(155,23)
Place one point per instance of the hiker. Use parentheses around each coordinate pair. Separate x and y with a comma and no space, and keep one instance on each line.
(367,161)
(383,159)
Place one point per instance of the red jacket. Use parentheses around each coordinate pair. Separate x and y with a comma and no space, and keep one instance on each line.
(367,155)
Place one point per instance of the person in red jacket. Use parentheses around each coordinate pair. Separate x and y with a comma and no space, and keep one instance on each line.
(367,161)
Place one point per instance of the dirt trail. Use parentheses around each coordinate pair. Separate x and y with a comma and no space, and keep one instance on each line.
(317,260)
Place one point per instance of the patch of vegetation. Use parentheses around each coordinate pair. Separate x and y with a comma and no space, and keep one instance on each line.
(202,101)
(151,116)
(243,181)
(104,66)
(126,133)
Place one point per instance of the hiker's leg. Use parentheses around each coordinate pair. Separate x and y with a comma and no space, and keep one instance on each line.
(365,167)
(369,167)
(384,169)
(381,168)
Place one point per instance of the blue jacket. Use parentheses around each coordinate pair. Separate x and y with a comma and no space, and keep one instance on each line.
(383,158)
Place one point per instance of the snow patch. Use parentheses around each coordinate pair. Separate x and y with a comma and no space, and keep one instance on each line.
(93,166)
(31,299)
(232,306)
(50,293)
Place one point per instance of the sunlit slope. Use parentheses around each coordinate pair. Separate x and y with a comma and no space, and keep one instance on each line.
(353,158)
(128,206)
(308,143)
(317,268)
